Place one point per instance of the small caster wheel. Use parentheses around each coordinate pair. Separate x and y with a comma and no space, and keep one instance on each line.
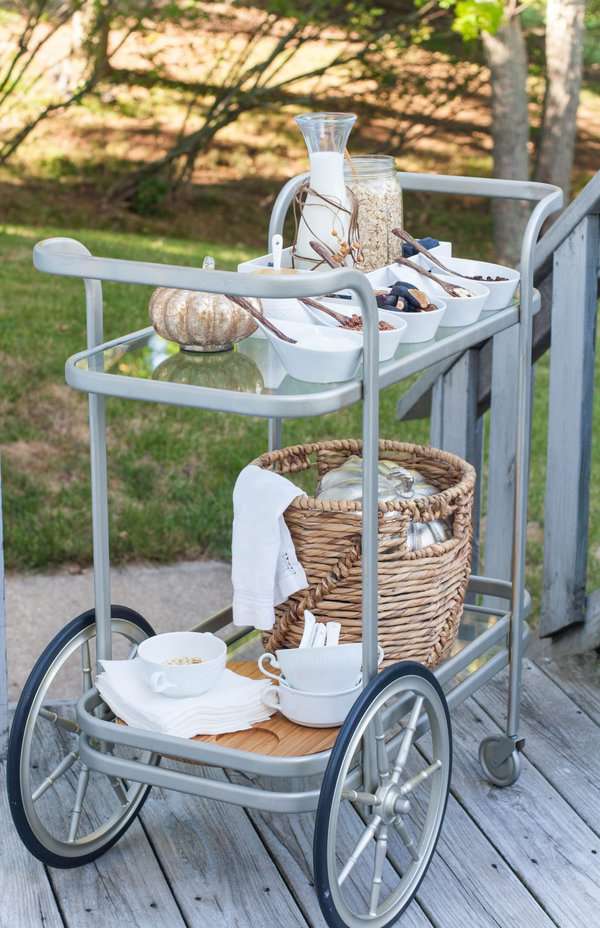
(383,800)
(499,769)
(66,814)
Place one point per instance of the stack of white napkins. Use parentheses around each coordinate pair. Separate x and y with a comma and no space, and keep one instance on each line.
(234,704)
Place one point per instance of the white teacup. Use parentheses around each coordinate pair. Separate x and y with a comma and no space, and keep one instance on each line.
(185,679)
(315,710)
(317,670)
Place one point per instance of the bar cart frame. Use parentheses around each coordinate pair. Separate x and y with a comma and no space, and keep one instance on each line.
(504,640)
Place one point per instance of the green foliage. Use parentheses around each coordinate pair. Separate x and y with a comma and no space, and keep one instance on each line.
(472,17)
(150,194)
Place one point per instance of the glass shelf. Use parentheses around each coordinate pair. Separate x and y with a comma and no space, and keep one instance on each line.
(250,378)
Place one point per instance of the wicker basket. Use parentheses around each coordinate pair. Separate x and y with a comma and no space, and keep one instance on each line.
(421,593)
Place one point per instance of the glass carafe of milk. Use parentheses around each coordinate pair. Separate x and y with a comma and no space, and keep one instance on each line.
(326,210)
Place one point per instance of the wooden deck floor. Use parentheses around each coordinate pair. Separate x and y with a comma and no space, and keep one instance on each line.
(526,857)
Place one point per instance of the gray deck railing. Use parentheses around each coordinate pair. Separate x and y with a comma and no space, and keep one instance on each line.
(457,393)
(570,614)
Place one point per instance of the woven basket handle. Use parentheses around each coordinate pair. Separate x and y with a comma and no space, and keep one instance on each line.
(293,613)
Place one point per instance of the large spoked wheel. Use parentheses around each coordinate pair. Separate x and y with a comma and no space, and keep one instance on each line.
(66,814)
(378,823)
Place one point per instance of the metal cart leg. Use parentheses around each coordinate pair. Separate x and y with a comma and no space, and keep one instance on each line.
(370,431)
(499,755)
(97,413)
(99,478)
(275,429)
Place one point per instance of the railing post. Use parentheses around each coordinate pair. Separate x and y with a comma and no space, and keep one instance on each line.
(455,425)
(575,291)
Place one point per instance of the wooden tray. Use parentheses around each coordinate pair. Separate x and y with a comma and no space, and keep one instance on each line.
(277,736)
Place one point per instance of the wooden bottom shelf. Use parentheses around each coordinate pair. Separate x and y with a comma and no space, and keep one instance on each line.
(277,736)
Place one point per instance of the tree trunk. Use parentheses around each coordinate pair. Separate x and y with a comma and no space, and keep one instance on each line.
(506,56)
(564,66)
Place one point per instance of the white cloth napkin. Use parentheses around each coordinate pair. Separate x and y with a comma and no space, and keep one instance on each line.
(264,566)
(234,704)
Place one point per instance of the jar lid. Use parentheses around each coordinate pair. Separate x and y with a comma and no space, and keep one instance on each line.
(369,166)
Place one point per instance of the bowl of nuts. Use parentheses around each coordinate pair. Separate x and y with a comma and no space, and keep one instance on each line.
(180,664)
(346,315)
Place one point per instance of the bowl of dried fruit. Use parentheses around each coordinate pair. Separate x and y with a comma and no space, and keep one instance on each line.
(404,301)
(464,299)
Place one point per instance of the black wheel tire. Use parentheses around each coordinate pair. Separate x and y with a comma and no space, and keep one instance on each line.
(13,761)
(321,874)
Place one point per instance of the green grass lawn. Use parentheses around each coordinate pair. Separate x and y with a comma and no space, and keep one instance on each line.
(171,470)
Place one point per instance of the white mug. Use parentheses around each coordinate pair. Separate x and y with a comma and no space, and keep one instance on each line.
(182,680)
(317,670)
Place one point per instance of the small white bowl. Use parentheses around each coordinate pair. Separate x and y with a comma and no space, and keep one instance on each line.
(420,327)
(320,354)
(459,310)
(316,670)
(315,710)
(501,291)
(388,340)
(181,680)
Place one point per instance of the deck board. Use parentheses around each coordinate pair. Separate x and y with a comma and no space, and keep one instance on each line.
(215,863)
(579,678)
(541,837)
(125,888)
(506,857)
(23,880)
(469,875)
(563,744)
(289,839)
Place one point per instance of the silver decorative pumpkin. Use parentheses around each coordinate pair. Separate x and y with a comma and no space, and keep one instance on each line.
(199,321)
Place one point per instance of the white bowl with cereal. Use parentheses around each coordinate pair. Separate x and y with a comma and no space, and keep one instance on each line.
(181,664)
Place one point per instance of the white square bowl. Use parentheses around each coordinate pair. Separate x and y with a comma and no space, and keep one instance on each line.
(388,340)
(501,291)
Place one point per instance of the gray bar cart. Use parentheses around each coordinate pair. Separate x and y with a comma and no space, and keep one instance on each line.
(384,781)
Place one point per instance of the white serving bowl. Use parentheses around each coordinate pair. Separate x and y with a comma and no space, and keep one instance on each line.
(320,354)
(459,310)
(291,310)
(388,341)
(420,327)
(316,670)
(315,710)
(182,680)
(501,291)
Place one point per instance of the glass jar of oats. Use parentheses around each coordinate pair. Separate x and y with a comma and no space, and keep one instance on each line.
(374,182)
